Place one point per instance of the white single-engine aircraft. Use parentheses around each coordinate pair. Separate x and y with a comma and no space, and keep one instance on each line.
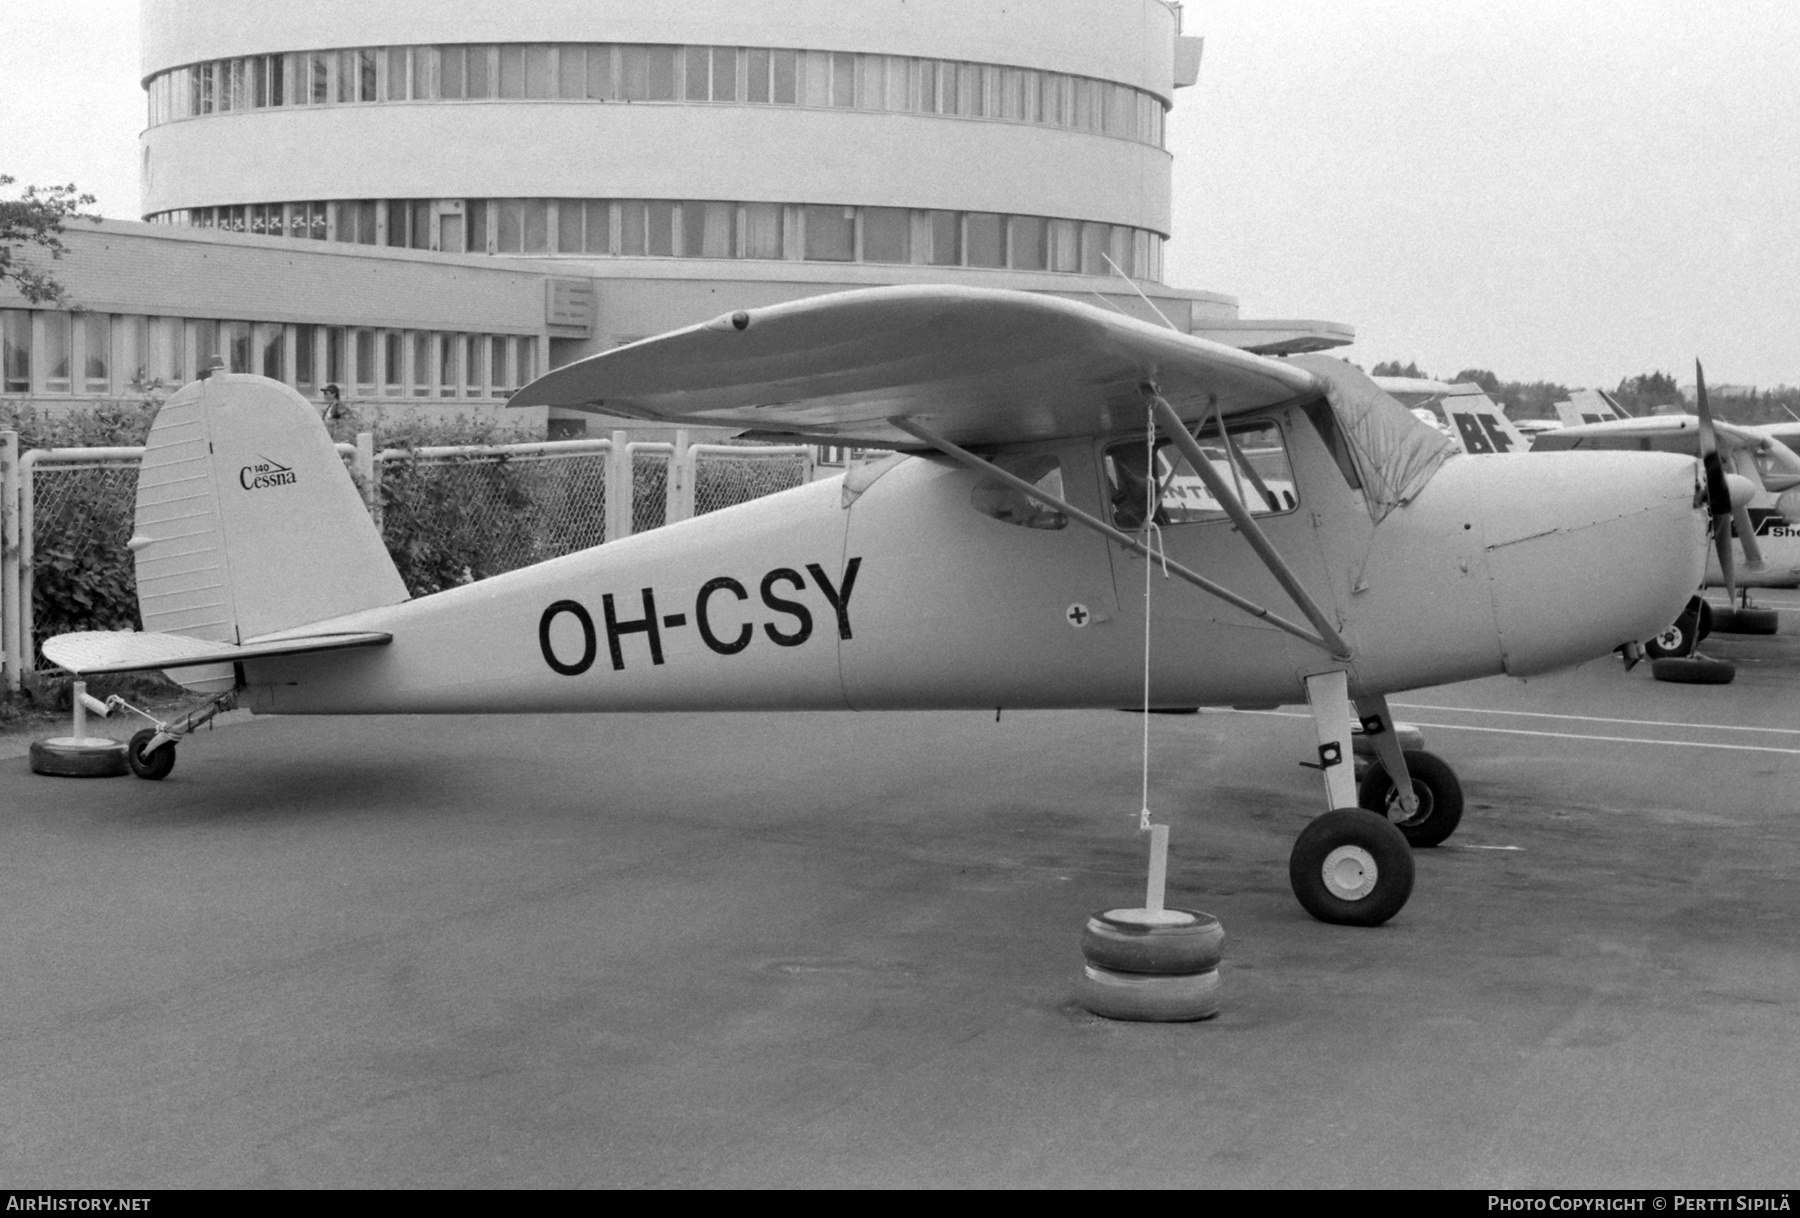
(996,560)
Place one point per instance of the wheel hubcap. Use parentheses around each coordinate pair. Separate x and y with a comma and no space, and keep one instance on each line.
(1397,814)
(1350,873)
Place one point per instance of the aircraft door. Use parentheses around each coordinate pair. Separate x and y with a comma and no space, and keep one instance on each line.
(1207,650)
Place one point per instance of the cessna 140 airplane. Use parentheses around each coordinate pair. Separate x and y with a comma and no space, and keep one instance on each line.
(995,560)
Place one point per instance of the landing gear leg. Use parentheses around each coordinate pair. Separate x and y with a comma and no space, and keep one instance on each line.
(151,753)
(1350,866)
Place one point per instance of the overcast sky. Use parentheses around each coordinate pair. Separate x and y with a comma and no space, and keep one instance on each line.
(1569,191)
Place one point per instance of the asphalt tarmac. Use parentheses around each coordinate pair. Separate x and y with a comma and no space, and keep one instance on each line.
(765,950)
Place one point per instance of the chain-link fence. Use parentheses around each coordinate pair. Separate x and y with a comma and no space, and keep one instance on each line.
(452,516)
(729,474)
(449,516)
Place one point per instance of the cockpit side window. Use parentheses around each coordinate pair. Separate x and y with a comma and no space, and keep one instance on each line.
(992,497)
(1318,413)
(1250,458)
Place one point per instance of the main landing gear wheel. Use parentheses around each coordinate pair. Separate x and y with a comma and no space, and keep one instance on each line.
(1439,793)
(1351,868)
(1693,670)
(154,766)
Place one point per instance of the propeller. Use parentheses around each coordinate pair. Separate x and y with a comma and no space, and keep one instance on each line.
(1718,494)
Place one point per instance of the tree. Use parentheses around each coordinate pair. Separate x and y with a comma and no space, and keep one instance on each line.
(36,218)
(1642,393)
(1490,384)
(1395,368)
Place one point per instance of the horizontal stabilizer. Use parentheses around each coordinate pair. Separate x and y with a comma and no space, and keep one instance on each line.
(96,651)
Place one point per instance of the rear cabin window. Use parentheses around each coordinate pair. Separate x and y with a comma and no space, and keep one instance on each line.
(1250,458)
(992,497)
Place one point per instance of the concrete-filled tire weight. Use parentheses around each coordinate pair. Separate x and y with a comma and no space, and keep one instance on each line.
(1746,621)
(1149,997)
(86,757)
(154,766)
(1693,670)
(1351,868)
(1435,785)
(1116,942)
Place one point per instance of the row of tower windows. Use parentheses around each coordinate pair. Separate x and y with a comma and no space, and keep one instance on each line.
(615,72)
(46,351)
(664,228)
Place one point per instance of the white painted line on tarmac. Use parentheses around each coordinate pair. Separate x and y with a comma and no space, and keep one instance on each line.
(1710,727)
(1519,731)
(1685,744)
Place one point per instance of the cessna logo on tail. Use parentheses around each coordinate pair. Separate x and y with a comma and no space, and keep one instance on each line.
(265,473)
(727,633)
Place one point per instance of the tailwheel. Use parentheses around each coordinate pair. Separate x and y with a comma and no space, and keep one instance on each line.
(1351,868)
(146,763)
(1435,786)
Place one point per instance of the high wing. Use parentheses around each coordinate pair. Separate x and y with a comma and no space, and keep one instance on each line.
(979,366)
(88,652)
(1667,433)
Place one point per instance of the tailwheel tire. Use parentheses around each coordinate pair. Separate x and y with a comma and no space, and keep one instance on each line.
(1351,868)
(1694,670)
(1179,941)
(1746,621)
(1147,997)
(154,766)
(1439,793)
(78,757)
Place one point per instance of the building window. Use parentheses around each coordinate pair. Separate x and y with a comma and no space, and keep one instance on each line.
(96,352)
(887,234)
(421,365)
(448,375)
(15,350)
(986,238)
(270,343)
(830,233)
(393,363)
(306,359)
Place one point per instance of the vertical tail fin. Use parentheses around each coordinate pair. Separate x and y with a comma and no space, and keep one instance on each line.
(247,521)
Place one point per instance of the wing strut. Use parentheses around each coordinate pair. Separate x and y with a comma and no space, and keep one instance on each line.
(1337,649)
(1284,575)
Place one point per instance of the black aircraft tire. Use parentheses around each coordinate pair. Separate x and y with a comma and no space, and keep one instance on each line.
(1120,945)
(1437,787)
(1146,998)
(154,766)
(1703,621)
(1747,621)
(1351,868)
(1693,671)
(68,757)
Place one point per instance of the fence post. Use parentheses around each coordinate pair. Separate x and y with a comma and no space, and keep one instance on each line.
(9,561)
(618,488)
(365,475)
(690,481)
(677,502)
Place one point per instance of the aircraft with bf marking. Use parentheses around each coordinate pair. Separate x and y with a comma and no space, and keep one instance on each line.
(1312,541)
